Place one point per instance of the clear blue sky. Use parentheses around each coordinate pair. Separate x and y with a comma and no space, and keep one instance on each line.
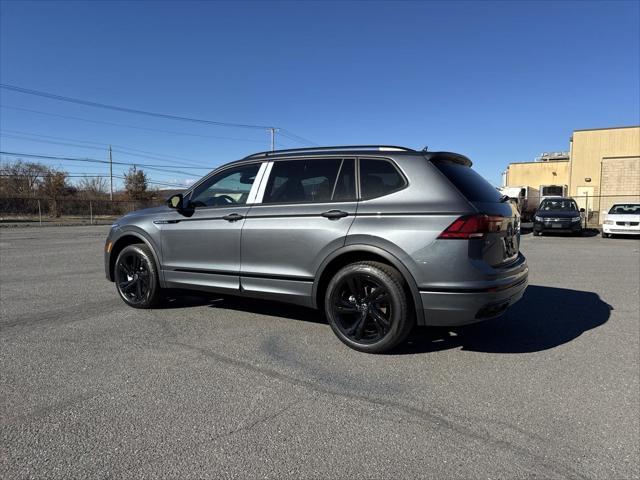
(498,81)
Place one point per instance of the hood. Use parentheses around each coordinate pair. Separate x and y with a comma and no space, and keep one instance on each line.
(557,214)
(148,211)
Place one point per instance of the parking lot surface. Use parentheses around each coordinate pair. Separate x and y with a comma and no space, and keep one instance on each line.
(225,387)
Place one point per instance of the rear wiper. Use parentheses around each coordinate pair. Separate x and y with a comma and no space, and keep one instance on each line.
(504,198)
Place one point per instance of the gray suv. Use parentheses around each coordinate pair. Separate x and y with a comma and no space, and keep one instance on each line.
(380,238)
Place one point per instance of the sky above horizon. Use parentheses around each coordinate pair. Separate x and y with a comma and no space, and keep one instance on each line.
(498,81)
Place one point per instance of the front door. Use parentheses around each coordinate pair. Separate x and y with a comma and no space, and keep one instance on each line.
(306,210)
(201,247)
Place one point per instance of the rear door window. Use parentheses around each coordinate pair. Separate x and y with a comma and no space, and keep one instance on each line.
(470,183)
(302,181)
(378,178)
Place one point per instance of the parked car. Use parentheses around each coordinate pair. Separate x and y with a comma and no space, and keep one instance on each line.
(558,214)
(622,219)
(378,238)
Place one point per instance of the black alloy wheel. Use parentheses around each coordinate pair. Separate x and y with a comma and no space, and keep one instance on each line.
(367,307)
(136,277)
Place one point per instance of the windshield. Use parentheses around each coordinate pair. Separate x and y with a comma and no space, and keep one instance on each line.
(626,209)
(559,205)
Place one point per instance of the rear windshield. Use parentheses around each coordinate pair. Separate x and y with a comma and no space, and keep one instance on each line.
(469,182)
(626,209)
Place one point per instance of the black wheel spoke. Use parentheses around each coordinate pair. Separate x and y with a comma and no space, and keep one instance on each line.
(344,306)
(351,282)
(378,318)
(362,308)
(126,285)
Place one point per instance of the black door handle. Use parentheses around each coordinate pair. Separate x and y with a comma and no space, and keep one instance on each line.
(334,214)
(232,217)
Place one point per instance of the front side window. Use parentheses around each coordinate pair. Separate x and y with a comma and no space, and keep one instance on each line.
(378,178)
(230,187)
(302,181)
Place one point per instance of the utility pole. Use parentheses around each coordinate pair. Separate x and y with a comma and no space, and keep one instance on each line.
(110,175)
(273,137)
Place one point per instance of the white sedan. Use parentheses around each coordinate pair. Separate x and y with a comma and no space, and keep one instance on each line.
(622,219)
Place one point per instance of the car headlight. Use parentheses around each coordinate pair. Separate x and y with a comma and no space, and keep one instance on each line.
(608,222)
(539,219)
(575,219)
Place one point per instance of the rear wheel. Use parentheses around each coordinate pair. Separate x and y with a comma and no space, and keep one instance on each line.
(136,277)
(367,307)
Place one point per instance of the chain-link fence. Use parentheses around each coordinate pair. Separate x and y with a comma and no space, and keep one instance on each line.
(67,210)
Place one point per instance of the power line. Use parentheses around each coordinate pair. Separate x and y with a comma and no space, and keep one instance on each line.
(88,103)
(167,116)
(93,148)
(124,125)
(104,144)
(91,160)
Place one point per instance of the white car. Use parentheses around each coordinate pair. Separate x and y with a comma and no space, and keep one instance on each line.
(622,219)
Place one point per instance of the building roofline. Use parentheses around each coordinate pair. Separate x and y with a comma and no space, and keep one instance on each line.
(606,128)
(542,163)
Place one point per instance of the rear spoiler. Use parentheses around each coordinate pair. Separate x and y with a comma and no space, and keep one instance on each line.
(448,156)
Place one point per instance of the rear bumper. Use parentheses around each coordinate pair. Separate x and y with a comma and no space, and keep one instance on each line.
(451,308)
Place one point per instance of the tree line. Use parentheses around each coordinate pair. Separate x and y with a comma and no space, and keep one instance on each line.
(31,180)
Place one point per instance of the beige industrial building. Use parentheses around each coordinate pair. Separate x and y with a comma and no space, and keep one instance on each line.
(601,168)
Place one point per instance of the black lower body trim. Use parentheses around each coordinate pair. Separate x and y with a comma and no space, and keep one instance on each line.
(291,278)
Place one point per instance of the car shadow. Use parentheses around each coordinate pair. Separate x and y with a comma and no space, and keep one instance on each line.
(544,318)
(187,299)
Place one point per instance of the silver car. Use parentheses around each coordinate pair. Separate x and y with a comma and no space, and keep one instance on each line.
(379,238)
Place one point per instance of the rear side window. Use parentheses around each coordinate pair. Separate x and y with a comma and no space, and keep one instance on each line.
(470,183)
(378,178)
(302,181)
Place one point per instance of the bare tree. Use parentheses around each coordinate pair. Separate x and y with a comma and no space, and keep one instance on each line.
(21,179)
(93,187)
(53,187)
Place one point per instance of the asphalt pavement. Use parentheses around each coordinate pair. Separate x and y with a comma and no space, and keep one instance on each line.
(211,387)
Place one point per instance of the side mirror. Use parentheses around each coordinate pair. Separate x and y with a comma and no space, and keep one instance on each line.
(582,210)
(175,201)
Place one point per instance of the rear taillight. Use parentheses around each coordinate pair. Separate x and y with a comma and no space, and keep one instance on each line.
(473,226)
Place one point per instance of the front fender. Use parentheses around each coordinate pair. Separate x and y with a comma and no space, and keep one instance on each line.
(119,233)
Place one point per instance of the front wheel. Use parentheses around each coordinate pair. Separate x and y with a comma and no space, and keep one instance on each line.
(366,306)
(136,277)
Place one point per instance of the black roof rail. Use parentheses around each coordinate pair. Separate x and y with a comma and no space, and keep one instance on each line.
(270,153)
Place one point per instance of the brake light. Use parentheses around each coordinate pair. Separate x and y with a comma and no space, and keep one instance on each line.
(473,226)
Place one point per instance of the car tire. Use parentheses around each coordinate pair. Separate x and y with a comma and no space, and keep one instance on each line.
(367,307)
(136,277)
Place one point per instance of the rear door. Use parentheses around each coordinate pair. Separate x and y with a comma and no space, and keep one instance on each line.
(502,244)
(306,209)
